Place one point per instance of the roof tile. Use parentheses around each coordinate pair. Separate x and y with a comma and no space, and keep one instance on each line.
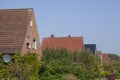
(13,27)
(70,43)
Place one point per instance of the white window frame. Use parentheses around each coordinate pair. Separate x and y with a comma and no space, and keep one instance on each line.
(34,44)
(28,41)
(31,23)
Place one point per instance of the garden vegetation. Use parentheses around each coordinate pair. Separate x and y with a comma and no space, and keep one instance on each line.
(58,64)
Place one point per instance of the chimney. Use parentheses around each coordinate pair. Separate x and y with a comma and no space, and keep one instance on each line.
(52,35)
(69,36)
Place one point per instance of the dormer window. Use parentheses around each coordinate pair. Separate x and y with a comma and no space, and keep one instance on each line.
(31,23)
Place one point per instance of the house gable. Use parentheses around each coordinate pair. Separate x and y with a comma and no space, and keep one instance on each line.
(15,26)
(32,35)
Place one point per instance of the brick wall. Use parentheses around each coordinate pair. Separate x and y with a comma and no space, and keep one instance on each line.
(33,34)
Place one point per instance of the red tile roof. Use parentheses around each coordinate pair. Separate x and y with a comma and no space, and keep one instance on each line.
(70,43)
(13,28)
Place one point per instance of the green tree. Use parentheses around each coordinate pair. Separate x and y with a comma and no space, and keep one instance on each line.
(55,63)
(60,62)
(88,61)
(114,57)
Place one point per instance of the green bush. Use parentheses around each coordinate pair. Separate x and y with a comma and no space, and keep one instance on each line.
(61,62)
(55,65)
(20,67)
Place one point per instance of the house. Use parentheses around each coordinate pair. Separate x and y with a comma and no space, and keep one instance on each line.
(69,43)
(18,32)
(99,55)
(90,47)
(105,58)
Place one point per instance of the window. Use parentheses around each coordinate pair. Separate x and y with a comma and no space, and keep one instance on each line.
(88,49)
(34,44)
(28,43)
(31,23)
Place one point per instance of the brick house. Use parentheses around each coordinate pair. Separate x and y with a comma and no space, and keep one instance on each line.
(18,32)
(69,43)
(105,58)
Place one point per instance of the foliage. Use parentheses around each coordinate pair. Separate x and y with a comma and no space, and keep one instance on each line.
(105,73)
(113,68)
(54,64)
(114,57)
(70,77)
(88,63)
(60,62)
(20,67)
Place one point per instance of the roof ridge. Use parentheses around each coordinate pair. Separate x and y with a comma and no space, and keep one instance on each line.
(65,37)
(17,9)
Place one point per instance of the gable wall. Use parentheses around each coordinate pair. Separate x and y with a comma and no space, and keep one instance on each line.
(33,34)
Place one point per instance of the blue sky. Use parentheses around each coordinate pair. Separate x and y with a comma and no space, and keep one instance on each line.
(98,21)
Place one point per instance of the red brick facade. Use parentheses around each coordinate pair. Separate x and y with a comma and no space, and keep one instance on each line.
(105,58)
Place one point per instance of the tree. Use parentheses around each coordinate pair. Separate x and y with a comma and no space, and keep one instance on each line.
(88,62)
(114,66)
(59,62)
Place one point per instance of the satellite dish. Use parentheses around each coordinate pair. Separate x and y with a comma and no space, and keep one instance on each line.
(6,58)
